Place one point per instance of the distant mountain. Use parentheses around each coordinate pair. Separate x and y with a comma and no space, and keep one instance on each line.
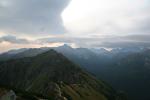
(129,50)
(20,53)
(53,76)
(82,56)
(100,51)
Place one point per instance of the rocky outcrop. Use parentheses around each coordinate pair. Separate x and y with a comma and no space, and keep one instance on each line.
(8,95)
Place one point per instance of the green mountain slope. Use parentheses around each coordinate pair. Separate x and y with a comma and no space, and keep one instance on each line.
(53,76)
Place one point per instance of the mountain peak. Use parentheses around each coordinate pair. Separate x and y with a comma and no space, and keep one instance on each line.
(66,46)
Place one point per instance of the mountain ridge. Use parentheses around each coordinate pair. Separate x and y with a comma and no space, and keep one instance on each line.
(33,75)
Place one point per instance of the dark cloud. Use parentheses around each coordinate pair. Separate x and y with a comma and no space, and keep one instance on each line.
(32,16)
(13,39)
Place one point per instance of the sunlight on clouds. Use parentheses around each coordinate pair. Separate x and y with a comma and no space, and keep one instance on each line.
(88,22)
(103,16)
(77,9)
(2,34)
(4,46)
(5,3)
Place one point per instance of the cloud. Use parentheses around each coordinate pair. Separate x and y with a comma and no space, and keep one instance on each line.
(32,16)
(114,17)
(54,40)
(13,39)
(139,38)
(86,23)
(117,41)
(124,44)
(103,41)
(12,42)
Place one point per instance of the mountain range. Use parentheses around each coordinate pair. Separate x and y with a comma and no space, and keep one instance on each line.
(125,69)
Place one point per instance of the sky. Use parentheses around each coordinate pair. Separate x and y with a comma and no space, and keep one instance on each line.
(79,23)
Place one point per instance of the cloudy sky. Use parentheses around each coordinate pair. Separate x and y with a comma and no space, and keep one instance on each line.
(79,23)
